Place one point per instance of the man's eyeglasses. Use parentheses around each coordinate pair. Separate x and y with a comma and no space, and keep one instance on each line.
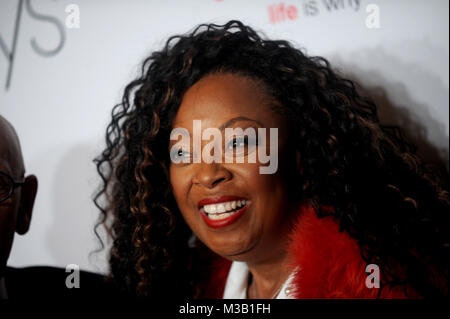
(7,186)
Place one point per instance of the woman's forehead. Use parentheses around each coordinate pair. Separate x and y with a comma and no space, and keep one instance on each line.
(218,97)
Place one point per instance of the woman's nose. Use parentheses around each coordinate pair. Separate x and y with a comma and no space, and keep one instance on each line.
(210,175)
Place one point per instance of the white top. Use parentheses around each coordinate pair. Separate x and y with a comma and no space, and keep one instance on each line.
(237,281)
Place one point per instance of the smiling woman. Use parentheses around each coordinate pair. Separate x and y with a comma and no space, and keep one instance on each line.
(196,217)
(232,208)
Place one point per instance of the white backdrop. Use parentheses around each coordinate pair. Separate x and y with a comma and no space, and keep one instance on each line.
(60,104)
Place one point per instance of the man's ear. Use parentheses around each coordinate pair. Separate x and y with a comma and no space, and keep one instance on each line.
(27,197)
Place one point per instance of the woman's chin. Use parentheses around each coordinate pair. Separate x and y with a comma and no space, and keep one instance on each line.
(233,252)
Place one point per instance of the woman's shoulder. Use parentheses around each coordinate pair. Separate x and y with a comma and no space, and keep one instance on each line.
(330,262)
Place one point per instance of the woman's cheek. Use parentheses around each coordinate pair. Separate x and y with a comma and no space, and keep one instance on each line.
(255,182)
(178,185)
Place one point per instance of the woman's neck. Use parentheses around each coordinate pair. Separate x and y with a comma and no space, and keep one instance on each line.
(268,277)
(270,273)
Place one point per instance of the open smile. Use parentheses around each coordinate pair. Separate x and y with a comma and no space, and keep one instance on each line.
(222,211)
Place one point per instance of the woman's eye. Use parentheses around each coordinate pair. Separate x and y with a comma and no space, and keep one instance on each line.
(182,153)
(235,143)
(179,153)
(240,142)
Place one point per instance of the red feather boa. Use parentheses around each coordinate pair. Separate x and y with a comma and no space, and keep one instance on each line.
(330,264)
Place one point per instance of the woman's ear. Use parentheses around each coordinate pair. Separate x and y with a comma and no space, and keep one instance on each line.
(27,197)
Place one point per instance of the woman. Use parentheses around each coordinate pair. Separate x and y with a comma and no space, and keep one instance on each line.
(346,193)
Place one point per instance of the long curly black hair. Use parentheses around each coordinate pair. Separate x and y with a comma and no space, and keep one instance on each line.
(394,205)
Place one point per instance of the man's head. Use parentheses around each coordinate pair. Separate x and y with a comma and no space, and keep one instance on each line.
(16,210)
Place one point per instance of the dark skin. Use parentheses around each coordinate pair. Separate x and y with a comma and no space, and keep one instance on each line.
(15,213)
(260,236)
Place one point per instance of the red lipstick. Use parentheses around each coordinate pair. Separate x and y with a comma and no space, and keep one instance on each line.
(223,222)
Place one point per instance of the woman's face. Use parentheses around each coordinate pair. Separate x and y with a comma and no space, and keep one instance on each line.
(258,227)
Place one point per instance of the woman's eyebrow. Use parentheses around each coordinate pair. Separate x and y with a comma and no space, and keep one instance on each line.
(237,119)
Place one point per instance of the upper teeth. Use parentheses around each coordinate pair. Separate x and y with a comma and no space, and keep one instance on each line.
(224,207)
